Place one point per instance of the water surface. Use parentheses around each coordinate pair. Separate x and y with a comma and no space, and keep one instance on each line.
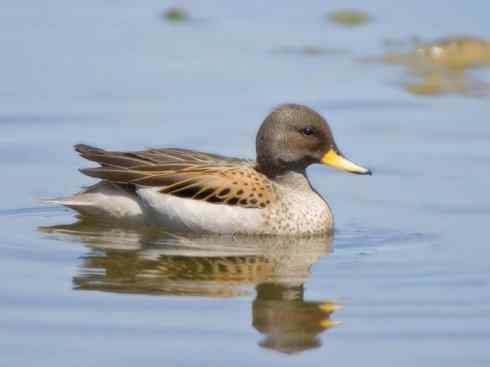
(405,279)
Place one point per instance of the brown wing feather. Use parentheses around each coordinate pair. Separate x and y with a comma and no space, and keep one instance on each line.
(184,173)
(149,157)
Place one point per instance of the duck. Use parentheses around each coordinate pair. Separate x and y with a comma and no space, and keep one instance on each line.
(187,191)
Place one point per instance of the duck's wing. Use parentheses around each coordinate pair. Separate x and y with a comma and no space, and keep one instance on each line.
(184,173)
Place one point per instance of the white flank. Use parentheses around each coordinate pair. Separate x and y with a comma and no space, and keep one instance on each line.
(198,216)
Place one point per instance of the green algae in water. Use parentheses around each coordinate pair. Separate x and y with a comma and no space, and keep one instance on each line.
(454,53)
(176,15)
(349,18)
(437,83)
(439,67)
(316,51)
(309,50)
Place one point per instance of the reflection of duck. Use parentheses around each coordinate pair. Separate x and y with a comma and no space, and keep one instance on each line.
(290,323)
(152,263)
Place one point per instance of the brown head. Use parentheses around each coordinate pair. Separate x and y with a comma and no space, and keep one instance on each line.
(294,136)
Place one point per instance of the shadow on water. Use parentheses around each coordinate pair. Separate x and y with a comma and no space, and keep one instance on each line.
(151,262)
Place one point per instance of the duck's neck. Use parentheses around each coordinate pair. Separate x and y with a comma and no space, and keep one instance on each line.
(294,179)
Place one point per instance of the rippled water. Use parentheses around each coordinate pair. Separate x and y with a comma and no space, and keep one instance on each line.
(405,279)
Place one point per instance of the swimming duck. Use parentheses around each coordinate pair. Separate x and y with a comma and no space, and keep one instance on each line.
(188,191)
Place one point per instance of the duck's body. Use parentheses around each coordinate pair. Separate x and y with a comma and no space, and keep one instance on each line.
(187,191)
(295,210)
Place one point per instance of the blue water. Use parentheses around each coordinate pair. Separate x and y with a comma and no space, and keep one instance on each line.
(407,270)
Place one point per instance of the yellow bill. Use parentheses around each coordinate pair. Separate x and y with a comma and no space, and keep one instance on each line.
(326,324)
(334,159)
(329,307)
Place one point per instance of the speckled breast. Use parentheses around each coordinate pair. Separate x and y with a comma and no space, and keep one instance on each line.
(298,212)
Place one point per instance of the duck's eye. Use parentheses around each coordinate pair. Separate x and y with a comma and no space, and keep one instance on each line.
(307,131)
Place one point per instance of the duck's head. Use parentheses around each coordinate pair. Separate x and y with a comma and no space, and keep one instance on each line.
(294,136)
